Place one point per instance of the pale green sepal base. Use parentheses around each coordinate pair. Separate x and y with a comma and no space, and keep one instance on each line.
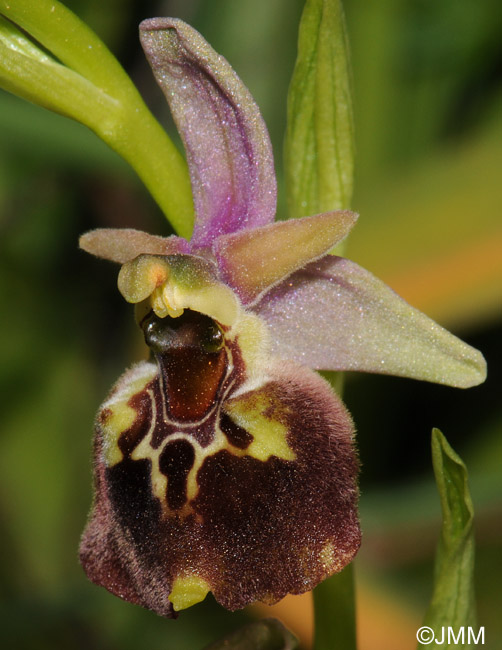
(452,604)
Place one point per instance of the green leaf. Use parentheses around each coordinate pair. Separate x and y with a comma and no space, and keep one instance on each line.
(70,40)
(452,605)
(28,72)
(319,149)
(334,612)
(80,78)
(267,634)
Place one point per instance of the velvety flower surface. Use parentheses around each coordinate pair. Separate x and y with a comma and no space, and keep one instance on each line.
(224,463)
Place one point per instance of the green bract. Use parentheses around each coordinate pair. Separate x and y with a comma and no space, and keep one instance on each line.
(452,604)
(319,151)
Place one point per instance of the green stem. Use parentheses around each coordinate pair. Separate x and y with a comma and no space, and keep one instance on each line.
(335,598)
(335,612)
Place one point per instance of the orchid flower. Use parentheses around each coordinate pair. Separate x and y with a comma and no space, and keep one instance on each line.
(224,463)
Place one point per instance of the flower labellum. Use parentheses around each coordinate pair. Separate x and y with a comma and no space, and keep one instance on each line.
(224,463)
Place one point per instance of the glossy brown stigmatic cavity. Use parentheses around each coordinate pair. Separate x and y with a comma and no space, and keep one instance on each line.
(190,353)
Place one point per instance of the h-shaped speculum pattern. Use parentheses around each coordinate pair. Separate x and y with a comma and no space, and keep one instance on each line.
(224,462)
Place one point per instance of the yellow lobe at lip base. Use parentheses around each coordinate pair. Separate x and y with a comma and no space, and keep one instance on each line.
(188,591)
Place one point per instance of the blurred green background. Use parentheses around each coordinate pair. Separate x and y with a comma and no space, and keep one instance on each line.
(427,84)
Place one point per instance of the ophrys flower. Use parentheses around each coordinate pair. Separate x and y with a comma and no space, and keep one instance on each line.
(224,463)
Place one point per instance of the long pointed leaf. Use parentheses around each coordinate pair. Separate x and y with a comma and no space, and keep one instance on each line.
(452,605)
(319,151)
(29,73)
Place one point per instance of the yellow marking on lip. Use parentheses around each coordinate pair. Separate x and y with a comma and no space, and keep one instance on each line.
(145,451)
(159,481)
(327,555)
(269,433)
(257,412)
(188,591)
(121,416)
(260,412)
(120,419)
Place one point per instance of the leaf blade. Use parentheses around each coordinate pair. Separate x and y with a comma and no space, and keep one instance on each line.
(452,604)
(319,150)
